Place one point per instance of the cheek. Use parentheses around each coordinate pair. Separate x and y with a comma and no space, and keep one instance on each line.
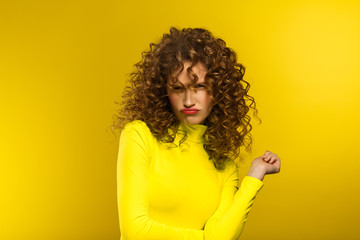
(207,100)
(173,99)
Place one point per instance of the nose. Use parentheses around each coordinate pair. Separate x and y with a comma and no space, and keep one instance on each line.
(189,98)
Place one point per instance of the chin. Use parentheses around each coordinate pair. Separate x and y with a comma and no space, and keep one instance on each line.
(192,121)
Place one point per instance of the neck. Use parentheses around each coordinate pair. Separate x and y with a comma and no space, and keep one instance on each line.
(195,132)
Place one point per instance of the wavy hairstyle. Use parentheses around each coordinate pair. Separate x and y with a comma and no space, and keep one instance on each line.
(146,97)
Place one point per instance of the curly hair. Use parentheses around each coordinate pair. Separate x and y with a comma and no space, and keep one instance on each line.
(146,97)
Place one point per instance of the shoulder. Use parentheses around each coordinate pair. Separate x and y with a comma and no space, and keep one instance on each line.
(230,169)
(138,132)
(230,166)
(136,126)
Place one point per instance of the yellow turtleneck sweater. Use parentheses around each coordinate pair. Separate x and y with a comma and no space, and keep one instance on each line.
(171,193)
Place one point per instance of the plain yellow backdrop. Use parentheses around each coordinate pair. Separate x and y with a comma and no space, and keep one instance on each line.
(64,63)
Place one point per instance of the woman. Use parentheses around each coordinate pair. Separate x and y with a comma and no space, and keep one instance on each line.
(183,120)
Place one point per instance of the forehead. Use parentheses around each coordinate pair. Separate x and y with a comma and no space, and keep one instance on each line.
(184,76)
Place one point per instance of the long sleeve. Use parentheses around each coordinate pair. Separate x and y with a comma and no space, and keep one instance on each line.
(135,158)
(229,219)
(133,205)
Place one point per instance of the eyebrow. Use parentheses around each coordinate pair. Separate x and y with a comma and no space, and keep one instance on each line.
(180,83)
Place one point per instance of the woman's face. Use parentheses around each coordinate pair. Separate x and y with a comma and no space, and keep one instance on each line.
(191,106)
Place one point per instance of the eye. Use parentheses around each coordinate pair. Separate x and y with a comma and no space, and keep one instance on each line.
(176,87)
(200,86)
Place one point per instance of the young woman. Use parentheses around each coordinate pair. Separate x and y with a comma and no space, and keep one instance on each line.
(183,119)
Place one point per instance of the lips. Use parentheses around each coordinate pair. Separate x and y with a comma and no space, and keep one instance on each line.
(189,111)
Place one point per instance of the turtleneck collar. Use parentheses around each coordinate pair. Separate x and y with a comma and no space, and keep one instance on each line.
(195,132)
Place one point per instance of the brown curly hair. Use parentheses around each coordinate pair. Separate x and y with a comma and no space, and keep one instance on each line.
(146,98)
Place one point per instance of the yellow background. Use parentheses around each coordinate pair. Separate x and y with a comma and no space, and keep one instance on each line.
(64,63)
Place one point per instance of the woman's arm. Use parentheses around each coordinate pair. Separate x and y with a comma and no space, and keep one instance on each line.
(229,219)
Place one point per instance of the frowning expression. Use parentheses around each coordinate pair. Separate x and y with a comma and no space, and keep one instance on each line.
(190,103)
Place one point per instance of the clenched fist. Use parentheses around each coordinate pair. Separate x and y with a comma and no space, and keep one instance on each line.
(268,163)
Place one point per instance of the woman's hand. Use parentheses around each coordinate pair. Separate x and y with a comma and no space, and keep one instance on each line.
(268,163)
